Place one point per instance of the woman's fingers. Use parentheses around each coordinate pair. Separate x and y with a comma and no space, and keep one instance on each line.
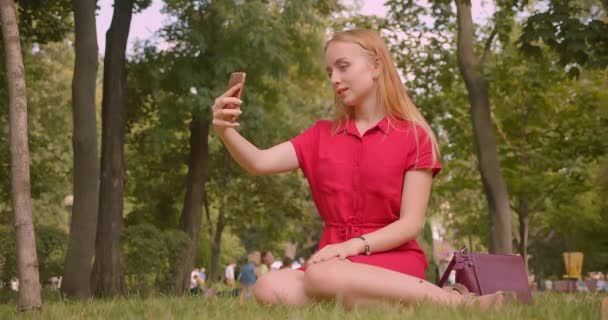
(230,92)
(226,113)
(222,102)
(324,255)
(226,110)
(328,256)
(224,123)
(314,257)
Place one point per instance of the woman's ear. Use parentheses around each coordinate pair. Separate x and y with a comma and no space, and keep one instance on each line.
(377,67)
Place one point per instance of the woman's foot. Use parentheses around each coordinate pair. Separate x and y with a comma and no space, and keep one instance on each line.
(488,301)
(494,300)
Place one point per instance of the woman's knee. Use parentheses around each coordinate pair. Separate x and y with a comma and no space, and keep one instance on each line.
(264,289)
(281,287)
(324,279)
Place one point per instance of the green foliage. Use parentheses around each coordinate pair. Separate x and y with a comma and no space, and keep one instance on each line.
(48,78)
(149,255)
(51,244)
(8,253)
(44,21)
(231,250)
(426,243)
(575,30)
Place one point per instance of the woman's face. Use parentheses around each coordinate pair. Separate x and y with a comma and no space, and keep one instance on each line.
(351,72)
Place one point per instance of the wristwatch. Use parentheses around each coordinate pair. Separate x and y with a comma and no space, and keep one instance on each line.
(368,251)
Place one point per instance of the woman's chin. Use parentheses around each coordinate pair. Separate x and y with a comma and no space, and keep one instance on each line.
(348,103)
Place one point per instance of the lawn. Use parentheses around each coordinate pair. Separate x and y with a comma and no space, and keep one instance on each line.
(545,306)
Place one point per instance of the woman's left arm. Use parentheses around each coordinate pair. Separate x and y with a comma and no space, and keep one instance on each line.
(414,201)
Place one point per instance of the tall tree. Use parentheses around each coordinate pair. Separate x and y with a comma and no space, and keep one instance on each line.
(83,225)
(190,221)
(494,184)
(29,293)
(107,276)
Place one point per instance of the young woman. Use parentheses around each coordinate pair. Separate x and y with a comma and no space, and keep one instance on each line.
(370,171)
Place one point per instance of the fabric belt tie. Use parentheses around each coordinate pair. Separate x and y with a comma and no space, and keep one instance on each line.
(348,229)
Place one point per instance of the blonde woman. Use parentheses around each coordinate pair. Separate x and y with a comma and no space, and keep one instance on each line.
(370,171)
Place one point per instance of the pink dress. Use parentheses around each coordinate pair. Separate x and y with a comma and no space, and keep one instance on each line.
(357,181)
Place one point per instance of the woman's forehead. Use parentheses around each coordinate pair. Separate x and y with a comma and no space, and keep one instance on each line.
(339,50)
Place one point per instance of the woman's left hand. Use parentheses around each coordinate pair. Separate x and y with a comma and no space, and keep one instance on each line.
(341,250)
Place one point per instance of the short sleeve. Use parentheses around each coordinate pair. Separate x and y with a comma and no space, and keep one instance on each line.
(421,154)
(306,145)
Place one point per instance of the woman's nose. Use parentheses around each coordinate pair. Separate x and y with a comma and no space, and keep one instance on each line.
(335,79)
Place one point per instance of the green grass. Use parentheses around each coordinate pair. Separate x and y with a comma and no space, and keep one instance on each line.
(545,306)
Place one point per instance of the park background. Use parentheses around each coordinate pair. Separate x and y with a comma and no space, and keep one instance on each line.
(185,203)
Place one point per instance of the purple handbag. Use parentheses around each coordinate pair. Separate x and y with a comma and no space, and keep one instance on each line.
(483,273)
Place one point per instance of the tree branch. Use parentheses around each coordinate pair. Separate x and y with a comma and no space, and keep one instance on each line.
(514,208)
(207,214)
(487,46)
(466,55)
(502,133)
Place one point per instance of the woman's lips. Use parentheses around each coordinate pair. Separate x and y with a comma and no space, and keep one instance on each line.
(341,92)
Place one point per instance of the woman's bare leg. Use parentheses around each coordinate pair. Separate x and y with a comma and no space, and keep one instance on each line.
(285,286)
(356,284)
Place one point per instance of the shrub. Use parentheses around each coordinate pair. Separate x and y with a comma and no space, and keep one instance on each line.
(148,255)
(51,245)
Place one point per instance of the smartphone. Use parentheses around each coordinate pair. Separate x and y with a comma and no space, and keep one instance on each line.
(236,78)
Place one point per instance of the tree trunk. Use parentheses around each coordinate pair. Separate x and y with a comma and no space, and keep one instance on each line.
(107,277)
(523,212)
(208,215)
(523,230)
(216,246)
(190,221)
(81,244)
(494,184)
(27,260)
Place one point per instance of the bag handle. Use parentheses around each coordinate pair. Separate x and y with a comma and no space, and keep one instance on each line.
(447,272)
(450,267)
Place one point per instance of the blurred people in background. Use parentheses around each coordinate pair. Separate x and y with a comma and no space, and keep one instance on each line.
(267,260)
(249,274)
(287,262)
(229,274)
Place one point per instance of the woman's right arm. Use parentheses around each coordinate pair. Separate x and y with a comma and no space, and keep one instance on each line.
(280,158)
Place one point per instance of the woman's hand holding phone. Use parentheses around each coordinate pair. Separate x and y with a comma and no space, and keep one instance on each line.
(224,112)
(227,107)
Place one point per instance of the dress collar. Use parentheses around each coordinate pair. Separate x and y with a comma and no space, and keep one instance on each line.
(349,126)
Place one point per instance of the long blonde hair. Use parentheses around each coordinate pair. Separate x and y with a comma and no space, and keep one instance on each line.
(392,93)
